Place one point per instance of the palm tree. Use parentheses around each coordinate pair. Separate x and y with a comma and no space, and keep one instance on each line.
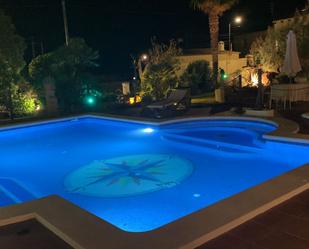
(214,9)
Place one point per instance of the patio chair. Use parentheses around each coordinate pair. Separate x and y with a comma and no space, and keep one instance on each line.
(179,100)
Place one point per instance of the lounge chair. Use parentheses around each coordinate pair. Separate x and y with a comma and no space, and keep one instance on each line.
(179,100)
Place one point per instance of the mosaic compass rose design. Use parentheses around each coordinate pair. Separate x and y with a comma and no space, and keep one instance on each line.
(129,175)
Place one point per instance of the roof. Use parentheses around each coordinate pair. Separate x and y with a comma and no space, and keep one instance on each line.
(197,51)
(202,51)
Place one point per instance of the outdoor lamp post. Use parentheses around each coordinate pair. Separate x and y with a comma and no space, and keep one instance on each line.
(141,63)
(142,59)
(237,20)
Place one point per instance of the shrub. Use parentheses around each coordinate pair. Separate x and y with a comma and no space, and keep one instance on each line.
(197,76)
(24,99)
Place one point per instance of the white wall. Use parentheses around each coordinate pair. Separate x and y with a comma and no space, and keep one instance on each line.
(229,61)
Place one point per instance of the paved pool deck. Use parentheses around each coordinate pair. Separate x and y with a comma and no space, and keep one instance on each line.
(30,234)
(285,226)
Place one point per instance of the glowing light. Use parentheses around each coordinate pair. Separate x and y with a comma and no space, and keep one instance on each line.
(225,76)
(144,57)
(134,78)
(148,130)
(254,79)
(238,19)
(132,100)
(138,99)
(38,107)
(196,195)
(90,100)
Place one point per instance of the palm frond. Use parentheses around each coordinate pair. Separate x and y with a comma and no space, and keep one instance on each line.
(213,6)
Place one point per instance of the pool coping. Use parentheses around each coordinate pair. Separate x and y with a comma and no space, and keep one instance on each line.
(81,229)
(285,128)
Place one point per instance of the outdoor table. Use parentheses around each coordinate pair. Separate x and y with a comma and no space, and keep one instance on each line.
(289,93)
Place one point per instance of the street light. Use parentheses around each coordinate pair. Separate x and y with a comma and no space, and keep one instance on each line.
(140,65)
(144,57)
(237,20)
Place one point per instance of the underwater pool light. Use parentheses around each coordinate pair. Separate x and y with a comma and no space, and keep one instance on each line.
(148,130)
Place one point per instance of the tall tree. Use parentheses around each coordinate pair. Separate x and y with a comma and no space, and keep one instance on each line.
(159,73)
(68,65)
(214,9)
(12,47)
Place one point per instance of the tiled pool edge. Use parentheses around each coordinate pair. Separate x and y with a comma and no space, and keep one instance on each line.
(287,128)
(83,230)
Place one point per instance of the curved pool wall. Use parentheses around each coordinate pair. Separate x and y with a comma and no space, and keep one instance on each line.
(227,157)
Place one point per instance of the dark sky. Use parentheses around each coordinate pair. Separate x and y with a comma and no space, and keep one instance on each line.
(120,28)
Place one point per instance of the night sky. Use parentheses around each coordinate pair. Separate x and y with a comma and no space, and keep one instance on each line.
(120,28)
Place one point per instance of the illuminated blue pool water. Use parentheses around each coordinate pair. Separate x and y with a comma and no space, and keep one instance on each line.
(140,177)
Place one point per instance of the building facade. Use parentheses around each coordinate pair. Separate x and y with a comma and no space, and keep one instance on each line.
(230,61)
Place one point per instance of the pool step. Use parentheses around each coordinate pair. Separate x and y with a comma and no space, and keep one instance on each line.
(11,192)
(212,144)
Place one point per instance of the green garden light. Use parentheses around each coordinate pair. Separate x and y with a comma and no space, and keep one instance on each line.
(90,100)
(223,74)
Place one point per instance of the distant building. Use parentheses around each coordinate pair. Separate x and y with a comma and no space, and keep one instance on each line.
(230,61)
(285,23)
(282,23)
(243,42)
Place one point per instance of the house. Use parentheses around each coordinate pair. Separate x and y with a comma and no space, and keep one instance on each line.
(230,61)
(286,23)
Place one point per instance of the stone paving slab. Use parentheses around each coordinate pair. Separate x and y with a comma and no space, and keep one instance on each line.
(29,234)
(285,226)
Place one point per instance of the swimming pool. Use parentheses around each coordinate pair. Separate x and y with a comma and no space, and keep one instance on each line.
(140,176)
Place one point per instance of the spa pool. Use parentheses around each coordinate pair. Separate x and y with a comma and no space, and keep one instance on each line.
(139,176)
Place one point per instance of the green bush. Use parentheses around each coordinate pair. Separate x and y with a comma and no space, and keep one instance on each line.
(70,67)
(24,99)
(197,76)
